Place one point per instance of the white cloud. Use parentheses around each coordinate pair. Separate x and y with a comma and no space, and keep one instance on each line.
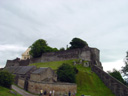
(109,66)
(12,48)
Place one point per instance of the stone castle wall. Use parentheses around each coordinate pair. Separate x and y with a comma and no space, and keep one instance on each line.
(84,54)
(87,54)
(59,88)
(114,85)
(17,62)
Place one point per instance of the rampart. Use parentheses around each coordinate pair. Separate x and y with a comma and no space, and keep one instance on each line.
(87,54)
(114,85)
(83,53)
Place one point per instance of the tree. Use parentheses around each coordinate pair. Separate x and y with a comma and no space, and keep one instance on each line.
(37,48)
(62,49)
(6,79)
(78,43)
(40,46)
(125,68)
(116,74)
(66,73)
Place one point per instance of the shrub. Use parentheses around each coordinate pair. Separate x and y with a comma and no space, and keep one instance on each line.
(66,73)
(6,79)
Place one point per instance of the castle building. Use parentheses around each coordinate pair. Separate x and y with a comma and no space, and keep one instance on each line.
(26,54)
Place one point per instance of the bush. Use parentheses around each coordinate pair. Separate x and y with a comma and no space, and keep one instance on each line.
(66,73)
(6,79)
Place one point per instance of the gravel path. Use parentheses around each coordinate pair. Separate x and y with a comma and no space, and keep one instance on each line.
(21,91)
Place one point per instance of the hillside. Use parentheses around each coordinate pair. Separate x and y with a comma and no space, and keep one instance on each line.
(88,83)
(6,92)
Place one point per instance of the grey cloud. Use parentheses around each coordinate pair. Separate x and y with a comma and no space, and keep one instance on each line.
(103,24)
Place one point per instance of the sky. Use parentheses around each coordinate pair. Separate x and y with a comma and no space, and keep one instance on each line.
(103,24)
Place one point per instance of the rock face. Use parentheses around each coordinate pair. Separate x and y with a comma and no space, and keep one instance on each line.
(88,54)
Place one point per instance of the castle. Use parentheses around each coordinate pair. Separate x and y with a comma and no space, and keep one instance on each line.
(87,54)
(33,79)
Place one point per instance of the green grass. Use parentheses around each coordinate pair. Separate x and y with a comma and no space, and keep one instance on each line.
(54,65)
(88,83)
(6,92)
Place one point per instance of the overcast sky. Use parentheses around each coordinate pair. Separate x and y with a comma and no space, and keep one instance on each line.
(101,23)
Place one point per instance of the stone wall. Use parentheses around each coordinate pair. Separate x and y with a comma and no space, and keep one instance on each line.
(21,82)
(87,54)
(17,62)
(114,85)
(60,88)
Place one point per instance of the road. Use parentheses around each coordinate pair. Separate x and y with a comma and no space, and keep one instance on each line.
(21,91)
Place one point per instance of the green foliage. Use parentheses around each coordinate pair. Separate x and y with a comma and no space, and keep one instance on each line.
(116,74)
(6,79)
(77,43)
(62,49)
(125,68)
(66,73)
(40,46)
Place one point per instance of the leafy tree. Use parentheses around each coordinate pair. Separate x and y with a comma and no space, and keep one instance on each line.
(77,43)
(6,79)
(116,74)
(50,49)
(40,46)
(62,49)
(125,68)
(66,73)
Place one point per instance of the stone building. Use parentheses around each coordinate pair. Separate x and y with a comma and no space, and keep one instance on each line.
(22,74)
(26,55)
(33,80)
(43,75)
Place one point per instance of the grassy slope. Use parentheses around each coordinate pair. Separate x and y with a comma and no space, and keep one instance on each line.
(6,92)
(88,83)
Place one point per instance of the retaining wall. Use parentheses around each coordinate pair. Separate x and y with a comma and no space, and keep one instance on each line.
(114,85)
(59,88)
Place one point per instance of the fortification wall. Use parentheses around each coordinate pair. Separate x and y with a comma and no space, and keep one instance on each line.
(114,85)
(17,63)
(60,88)
(87,54)
(83,53)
